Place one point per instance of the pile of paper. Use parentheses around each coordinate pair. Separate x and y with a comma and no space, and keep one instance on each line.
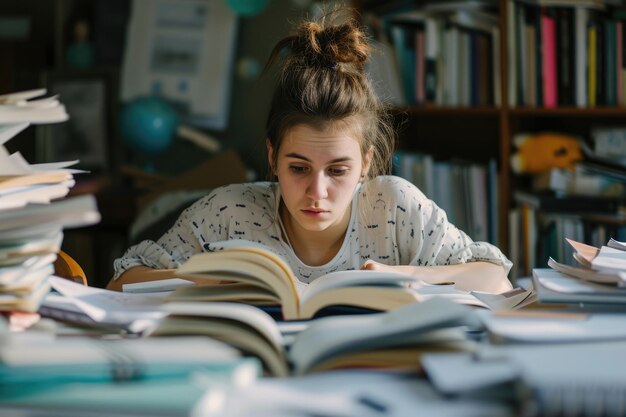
(33,211)
(599,278)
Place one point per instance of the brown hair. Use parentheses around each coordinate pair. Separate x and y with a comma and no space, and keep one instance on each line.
(322,82)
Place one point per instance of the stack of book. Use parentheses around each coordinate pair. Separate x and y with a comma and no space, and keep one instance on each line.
(598,279)
(87,376)
(32,211)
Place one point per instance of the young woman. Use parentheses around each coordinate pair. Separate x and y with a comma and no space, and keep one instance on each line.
(329,143)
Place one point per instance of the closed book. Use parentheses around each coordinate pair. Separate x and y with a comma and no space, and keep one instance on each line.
(610,68)
(580,40)
(549,66)
(565,49)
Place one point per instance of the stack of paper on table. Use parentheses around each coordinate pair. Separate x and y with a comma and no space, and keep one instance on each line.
(357,393)
(28,107)
(559,379)
(152,376)
(599,279)
(92,307)
(33,211)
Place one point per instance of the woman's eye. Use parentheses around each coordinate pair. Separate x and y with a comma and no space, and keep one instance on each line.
(337,171)
(298,169)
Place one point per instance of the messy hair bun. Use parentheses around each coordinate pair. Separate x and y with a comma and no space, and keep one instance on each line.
(322,80)
(324,45)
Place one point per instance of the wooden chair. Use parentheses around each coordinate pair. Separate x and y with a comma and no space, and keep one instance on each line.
(66,267)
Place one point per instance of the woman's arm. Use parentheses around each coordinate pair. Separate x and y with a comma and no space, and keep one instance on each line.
(144,273)
(469,276)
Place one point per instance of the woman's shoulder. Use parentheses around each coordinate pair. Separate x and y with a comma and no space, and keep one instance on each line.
(391,187)
(261,194)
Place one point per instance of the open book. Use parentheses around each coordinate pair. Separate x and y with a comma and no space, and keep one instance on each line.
(258,276)
(605,265)
(392,339)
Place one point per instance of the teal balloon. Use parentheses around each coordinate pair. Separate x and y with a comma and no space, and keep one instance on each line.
(247,7)
(148,124)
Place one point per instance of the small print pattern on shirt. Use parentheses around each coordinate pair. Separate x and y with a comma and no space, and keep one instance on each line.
(392,222)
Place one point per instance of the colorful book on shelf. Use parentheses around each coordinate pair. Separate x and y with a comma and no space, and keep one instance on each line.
(566,52)
(549,59)
(383,340)
(593,4)
(581,16)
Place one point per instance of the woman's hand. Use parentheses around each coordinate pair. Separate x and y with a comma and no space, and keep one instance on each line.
(470,276)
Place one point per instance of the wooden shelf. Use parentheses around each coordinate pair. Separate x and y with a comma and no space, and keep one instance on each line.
(481,134)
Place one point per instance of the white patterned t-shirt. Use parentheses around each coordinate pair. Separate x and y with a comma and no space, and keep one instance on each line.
(392,222)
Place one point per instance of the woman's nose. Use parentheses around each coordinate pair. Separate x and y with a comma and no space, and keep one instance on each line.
(317,187)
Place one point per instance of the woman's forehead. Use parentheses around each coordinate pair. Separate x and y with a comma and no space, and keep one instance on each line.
(308,137)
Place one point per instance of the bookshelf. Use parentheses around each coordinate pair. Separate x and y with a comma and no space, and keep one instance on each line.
(478,132)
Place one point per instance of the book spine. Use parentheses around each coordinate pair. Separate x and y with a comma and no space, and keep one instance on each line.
(619,57)
(538,57)
(430,60)
(420,67)
(610,47)
(548,34)
(580,33)
(623,68)
(565,53)
(591,65)
(513,53)
(600,63)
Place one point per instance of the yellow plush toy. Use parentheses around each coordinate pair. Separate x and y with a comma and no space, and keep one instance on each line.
(538,152)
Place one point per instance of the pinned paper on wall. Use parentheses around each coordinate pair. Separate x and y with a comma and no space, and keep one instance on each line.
(182,52)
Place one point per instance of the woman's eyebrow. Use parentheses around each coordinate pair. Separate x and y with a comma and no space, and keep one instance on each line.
(304,158)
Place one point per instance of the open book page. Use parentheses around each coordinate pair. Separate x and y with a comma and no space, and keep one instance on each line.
(245,327)
(616,244)
(556,287)
(383,339)
(249,264)
(330,336)
(584,253)
(610,259)
(375,290)
(162,285)
(137,312)
(510,300)
(588,274)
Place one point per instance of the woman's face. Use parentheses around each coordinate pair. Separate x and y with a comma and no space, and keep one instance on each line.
(318,171)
